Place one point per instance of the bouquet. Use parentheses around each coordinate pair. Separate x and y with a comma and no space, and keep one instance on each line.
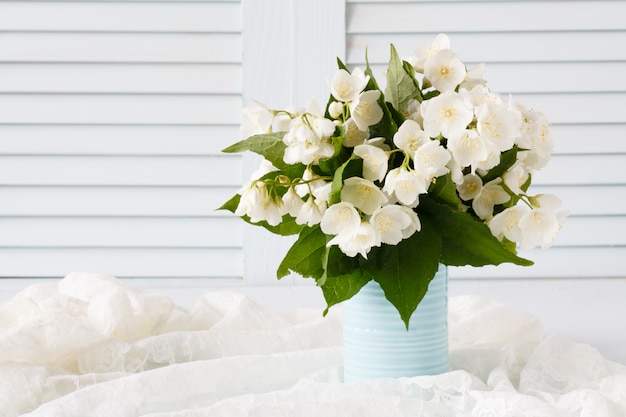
(387,185)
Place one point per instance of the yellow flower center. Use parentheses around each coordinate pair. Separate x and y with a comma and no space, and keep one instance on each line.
(384,223)
(344,89)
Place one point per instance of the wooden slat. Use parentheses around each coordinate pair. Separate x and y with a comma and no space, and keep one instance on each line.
(94,170)
(114,201)
(121,78)
(120,47)
(557,77)
(490,16)
(217,232)
(589,138)
(583,170)
(126,262)
(592,231)
(120,16)
(600,262)
(583,199)
(577,107)
(116,140)
(120,109)
(498,47)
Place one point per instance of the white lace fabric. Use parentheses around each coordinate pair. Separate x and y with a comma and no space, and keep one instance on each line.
(90,345)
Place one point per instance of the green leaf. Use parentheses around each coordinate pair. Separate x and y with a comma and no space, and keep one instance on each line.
(340,155)
(339,288)
(350,168)
(444,191)
(507,160)
(405,270)
(341,65)
(371,84)
(268,145)
(231,205)
(401,85)
(306,255)
(337,185)
(465,239)
(286,227)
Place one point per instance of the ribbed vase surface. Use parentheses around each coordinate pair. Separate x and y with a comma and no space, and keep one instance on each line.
(376,343)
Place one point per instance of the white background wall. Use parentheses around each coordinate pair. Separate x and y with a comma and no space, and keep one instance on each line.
(113,114)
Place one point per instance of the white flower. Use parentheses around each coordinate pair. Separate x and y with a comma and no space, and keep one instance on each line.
(257,119)
(547,201)
(305,146)
(480,94)
(265,167)
(424,52)
(347,86)
(310,213)
(308,139)
(365,110)
(292,202)
(506,223)
(492,159)
(363,194)
(353,135)
(413,111)
(375,161)
(491,194)
(474,77)
(444,70)
(312,182)
(379,143)
(456,171)
(471,187)
(515,177)
(431,159)
(405,185)
(535,130)
(540,225)
(282,120)
(535,139)
(447,114)
(341,218)
(468,148)
(414,226)
(389,222)
(315,118)
(410,136)
(256,203)
(360,242)
(322,193)
(499,124)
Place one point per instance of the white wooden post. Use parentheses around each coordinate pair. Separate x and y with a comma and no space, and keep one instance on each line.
(289,50)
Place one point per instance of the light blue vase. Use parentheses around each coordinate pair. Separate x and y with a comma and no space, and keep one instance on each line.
(376,343)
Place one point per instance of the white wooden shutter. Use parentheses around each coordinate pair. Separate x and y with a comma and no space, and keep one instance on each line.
(566,59)
(112,118)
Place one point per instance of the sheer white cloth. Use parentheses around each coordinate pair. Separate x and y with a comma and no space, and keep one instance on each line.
(89,345)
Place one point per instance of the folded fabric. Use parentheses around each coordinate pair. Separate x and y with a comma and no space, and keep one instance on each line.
(90,345)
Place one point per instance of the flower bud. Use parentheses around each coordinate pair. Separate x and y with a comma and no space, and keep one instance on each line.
(335,109)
